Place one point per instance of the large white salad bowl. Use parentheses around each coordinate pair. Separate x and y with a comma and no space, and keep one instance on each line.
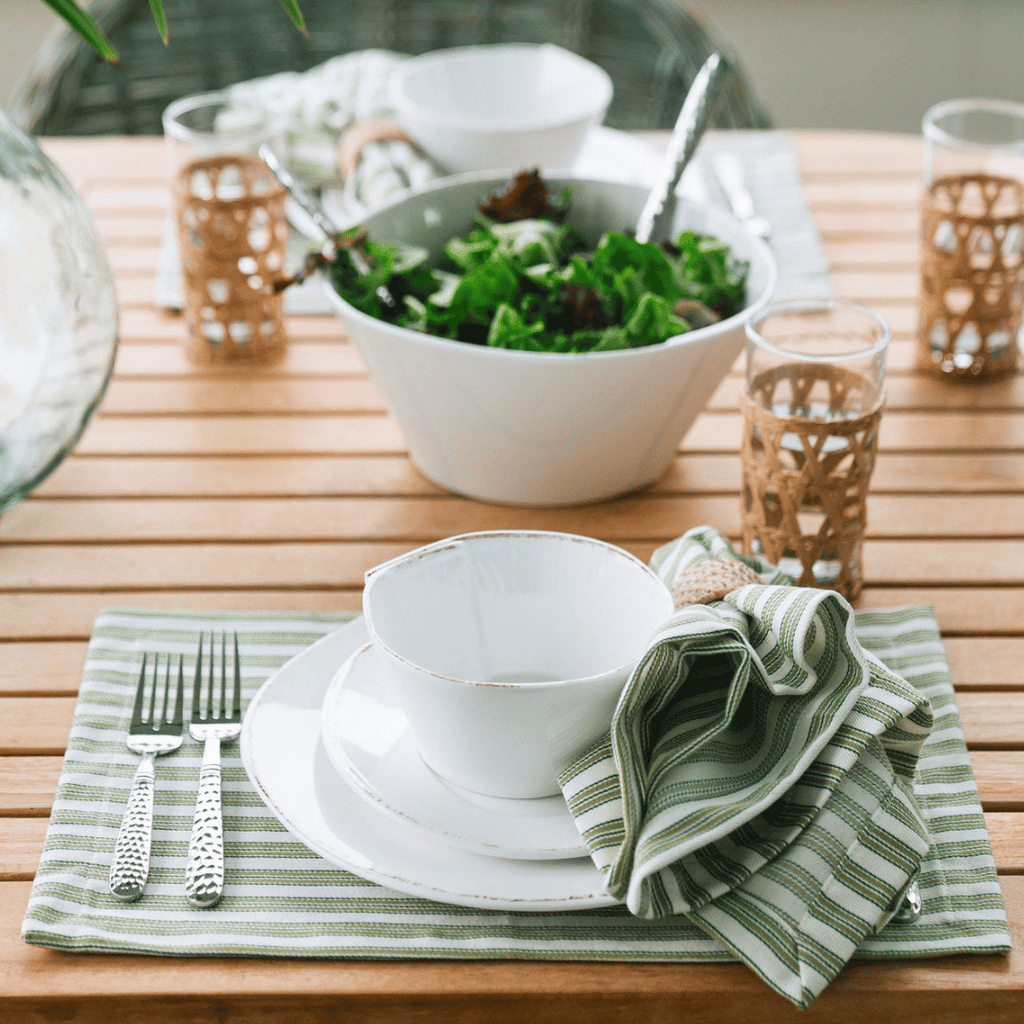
(524,428)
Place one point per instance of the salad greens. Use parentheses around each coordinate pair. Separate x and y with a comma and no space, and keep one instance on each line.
(530,283)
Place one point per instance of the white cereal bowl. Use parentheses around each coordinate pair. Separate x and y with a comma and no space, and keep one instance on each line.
(508,650)
(475,108)
(540,428)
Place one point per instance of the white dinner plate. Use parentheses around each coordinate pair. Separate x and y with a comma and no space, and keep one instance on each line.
(286,761)
(368,739)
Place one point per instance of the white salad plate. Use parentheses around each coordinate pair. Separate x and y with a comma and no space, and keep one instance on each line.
(368,740)
(285,759)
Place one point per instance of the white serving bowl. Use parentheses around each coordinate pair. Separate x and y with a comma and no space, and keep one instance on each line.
(475,108)
(538,428)
(508,650)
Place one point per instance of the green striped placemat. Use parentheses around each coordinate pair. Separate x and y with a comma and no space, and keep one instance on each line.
(286,901)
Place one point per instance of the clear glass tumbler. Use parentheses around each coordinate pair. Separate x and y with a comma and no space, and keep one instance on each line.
(232,230)
(972,238)
(811,413)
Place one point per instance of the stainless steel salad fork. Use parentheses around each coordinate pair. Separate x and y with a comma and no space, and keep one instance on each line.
(216,716)
(150,733)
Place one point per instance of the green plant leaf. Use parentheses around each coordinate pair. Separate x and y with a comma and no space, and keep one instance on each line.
(157,7)
(81,23)
(618,256)
(508,330)
(610,339)
(295,14)
(480,292)
(652,321)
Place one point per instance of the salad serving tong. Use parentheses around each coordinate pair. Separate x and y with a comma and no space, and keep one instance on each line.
(216,717)
(655,220)
(149,734)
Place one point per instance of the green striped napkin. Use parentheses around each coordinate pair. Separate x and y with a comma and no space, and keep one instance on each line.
(283,900)
(758,777)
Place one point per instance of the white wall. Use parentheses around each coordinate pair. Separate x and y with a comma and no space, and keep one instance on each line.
(23,25)
(875,64)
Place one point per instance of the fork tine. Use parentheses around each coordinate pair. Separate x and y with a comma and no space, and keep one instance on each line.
(179,699)
(152,693)
(166,703)
(140,692)
(211,710)
(211,681)
(236,701)
(222,709)
(197,684)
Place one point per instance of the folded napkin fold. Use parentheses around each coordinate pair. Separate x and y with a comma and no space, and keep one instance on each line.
(320,103)
(758,776)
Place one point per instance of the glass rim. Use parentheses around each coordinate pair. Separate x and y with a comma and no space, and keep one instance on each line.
(940,136)
(812,305)
(173,111)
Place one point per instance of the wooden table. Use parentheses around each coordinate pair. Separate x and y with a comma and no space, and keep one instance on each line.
(275,489)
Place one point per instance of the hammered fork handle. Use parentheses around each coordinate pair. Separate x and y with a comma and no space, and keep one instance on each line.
(204,872)
(130,866)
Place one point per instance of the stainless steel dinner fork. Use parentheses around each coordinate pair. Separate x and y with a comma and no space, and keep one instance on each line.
(149,734)
(217,717)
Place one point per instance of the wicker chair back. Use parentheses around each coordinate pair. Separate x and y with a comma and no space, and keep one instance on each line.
(651,48)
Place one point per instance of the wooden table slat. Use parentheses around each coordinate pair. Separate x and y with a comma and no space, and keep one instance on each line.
(997,517)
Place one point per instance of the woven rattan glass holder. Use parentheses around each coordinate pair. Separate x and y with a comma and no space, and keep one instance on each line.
(811,411)
(805,481)
(972,275)
(972,239)
(232,235)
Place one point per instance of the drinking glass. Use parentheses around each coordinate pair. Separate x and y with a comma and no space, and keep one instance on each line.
(232,230)
(972,238)
(812,406)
